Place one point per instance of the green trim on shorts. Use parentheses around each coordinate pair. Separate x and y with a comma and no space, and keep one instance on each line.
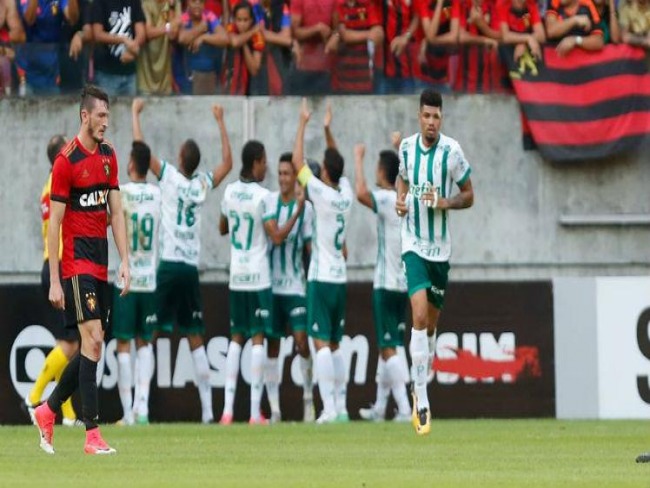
(251,312)
(423,274)
(326,304)
(288,310)
(389,317)
(179,298)
(134,315)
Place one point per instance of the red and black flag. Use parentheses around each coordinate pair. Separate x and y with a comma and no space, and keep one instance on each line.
(587,105)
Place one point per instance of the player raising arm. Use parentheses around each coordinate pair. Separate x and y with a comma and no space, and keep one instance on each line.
(184,191)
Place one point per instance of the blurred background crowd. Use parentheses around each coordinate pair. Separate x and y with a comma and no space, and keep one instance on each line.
(294,47)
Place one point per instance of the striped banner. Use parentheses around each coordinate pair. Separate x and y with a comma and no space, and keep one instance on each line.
(587,105)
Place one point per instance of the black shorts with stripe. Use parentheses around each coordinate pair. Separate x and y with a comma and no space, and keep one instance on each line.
(86,298)
(56,321)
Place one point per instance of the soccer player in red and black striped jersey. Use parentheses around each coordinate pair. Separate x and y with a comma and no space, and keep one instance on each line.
(574,24)
(84,188)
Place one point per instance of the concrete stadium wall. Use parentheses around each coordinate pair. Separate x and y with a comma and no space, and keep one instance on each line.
(531,218)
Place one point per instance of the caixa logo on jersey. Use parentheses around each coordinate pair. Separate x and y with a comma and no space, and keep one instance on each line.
(485,356)
(28,352)
(95,198)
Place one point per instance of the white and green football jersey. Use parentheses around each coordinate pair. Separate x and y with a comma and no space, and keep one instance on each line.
(182,199)
(425,230)
(287,271)
(331,213)
(389,273)
(141,205)
(247,206)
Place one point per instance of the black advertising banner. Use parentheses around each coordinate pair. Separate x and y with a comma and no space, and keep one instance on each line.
(495,356)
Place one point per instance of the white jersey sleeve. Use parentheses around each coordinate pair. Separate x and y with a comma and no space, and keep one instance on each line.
(389,273)
(460,169)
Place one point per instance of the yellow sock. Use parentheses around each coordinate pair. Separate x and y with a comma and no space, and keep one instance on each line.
(55,363)
(67,411)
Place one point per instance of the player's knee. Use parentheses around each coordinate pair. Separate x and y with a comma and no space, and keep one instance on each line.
(420,317)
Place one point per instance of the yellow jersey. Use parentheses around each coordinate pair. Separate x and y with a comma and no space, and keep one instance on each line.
(45,218)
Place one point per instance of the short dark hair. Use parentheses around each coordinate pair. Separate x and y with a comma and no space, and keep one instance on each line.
(286,157)
(141,156)
(389,163)
(430,98)
(243,5)
(314,167)
(54,147)
(333,164)
(252,151)
(89,94)
(190,156)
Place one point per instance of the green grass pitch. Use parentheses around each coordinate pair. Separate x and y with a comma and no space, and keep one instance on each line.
(465,453)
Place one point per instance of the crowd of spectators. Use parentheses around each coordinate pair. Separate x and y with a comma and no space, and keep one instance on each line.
(297,47)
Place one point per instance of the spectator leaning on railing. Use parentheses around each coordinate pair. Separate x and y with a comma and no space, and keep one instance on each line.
(440,23)
(479,23)
(311,25)
(634,16)
(203,37)
(244,56)
(39,58)
(608,21)
(574,24)
(358,26)
(154,65)
(274,22)
(119,33)
(522,26)
(401,24)
(73,59)
(11,31)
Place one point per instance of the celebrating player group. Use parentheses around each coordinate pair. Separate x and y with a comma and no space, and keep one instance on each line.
(157,230)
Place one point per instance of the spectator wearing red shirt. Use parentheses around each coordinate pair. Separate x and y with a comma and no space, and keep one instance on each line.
(479,69)
(479,24)
(401,27)
(440,23)
(358,26)
(521,26)
(244,56)
(574,24)
(311,27)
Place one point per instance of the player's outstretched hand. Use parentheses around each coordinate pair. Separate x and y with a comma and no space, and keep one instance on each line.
(400,205)
(56,296)
(124,277)
(305,114)
(359,152)
(327,120)
(217,111)
(137,106)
